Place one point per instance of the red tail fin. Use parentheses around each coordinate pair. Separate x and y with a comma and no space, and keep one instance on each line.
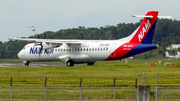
(145,32)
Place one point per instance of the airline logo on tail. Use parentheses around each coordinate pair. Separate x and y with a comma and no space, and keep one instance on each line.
(144,30)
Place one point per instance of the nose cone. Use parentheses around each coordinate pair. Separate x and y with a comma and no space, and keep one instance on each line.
(20,55)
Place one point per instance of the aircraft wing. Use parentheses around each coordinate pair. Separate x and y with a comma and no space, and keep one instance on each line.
(52,41)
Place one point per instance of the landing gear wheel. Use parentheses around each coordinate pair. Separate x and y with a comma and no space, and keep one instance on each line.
(91,63)
(27,63)
(70,63)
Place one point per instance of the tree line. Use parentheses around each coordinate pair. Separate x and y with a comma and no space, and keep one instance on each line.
(167,32)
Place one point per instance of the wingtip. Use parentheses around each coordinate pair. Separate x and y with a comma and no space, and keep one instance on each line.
(133,15)
(10,38)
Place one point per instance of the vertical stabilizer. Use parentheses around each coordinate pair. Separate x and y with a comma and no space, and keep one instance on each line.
(144,33)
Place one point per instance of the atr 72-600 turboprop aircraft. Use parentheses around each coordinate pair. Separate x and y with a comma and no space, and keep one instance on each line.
(89,51)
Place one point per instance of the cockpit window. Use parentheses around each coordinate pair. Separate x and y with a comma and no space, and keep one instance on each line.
(24,48)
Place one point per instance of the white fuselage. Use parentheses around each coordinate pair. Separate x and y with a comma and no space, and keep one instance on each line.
(96,50)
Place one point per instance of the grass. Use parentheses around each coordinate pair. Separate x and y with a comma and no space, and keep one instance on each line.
(100,74)
(10,60)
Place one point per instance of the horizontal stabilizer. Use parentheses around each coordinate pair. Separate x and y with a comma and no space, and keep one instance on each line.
(149,16)
(165,17)
(142,16)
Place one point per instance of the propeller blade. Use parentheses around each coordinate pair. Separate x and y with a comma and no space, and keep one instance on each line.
(46,51)
(40,51)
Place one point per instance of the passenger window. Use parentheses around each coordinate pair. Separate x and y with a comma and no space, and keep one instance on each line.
(66,49)
(106,49)
(84,49)
(69,49)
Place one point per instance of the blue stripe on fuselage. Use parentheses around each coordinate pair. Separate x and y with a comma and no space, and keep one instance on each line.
(139,49)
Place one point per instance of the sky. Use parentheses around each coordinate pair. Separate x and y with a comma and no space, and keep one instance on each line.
(53,15)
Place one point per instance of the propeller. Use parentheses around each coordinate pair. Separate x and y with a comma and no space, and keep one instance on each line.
(40,48)
(40,51)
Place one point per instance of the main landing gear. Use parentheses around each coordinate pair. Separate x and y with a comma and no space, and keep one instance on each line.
(70,63)
(91,63)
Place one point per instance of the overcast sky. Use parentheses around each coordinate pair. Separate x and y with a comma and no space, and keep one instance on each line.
(54,15)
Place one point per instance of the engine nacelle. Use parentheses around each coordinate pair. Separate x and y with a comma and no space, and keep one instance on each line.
(50,45)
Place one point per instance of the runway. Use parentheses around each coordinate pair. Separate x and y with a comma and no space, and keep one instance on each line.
(36,64)
(33,64)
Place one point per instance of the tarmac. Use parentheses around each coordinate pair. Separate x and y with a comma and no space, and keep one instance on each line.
(33,64)
(36,64)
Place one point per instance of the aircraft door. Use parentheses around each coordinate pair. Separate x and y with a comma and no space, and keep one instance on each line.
(112,49)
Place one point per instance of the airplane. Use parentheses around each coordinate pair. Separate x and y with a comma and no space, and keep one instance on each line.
(89,51)
(32,28)
(173,56)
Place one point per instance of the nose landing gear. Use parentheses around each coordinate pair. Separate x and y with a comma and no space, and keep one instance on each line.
(26,63)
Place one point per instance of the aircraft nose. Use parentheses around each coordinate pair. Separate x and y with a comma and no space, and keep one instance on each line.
(20,55)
